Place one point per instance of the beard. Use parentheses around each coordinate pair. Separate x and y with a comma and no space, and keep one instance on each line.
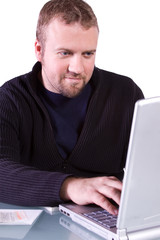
(71,89)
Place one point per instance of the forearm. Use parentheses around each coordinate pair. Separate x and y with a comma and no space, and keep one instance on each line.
(22,185)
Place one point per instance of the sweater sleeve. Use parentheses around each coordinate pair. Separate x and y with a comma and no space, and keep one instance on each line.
(21,184)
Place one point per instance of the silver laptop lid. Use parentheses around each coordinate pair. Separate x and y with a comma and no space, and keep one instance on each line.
(140,200)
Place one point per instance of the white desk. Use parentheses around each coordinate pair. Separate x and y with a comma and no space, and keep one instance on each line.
(47,227)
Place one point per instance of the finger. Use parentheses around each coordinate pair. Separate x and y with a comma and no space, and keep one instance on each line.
(113,182)
(111,192)
(103,202)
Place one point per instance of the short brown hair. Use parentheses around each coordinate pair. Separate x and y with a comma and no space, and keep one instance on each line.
(69,11)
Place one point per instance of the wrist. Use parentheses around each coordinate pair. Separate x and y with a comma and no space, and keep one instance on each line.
(64,188)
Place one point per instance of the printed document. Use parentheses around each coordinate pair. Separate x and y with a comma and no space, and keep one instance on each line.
(18,216)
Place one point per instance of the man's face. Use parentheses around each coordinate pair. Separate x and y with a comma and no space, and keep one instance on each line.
(68,57)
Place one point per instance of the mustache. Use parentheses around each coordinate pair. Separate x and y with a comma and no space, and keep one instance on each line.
(74,75)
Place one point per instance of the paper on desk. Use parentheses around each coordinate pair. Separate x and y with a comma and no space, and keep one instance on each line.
(18,216)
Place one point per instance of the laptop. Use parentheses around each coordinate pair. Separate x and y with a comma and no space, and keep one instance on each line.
(139,211)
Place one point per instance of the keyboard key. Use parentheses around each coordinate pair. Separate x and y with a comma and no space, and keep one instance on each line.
(103,218)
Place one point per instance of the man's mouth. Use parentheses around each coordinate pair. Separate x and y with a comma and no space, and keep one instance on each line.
(72,78)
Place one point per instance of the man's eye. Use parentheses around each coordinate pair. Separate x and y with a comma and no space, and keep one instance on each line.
(64,54)
(88,54)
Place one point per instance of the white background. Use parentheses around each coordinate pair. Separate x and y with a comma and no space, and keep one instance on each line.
(129,41)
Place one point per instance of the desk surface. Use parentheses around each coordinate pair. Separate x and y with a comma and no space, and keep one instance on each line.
(49,227)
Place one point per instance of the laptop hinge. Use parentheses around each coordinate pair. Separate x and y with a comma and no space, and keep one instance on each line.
(122,233)
(146,234)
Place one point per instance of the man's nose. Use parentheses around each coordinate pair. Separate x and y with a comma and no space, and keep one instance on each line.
(76,65)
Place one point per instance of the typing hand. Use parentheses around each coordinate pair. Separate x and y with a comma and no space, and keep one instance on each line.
(97,190)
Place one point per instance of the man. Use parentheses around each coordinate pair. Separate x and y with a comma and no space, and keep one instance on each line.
(64,127)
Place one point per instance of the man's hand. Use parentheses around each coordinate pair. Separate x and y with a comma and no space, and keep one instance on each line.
(97,190)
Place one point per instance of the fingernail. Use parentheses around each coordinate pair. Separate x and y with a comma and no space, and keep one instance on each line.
(116,212)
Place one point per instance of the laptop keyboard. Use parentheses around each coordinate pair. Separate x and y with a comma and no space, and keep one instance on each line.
(103,218)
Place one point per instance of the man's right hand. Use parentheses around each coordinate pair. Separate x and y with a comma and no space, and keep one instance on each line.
(97,190)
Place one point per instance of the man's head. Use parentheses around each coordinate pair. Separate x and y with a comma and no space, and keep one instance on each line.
(68,11)
(67,35)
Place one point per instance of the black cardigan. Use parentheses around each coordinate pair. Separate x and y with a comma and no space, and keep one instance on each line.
(31,168)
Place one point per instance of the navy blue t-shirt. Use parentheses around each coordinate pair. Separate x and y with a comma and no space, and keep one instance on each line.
(67,116)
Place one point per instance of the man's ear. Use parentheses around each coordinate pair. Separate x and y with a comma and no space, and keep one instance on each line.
(38,50)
